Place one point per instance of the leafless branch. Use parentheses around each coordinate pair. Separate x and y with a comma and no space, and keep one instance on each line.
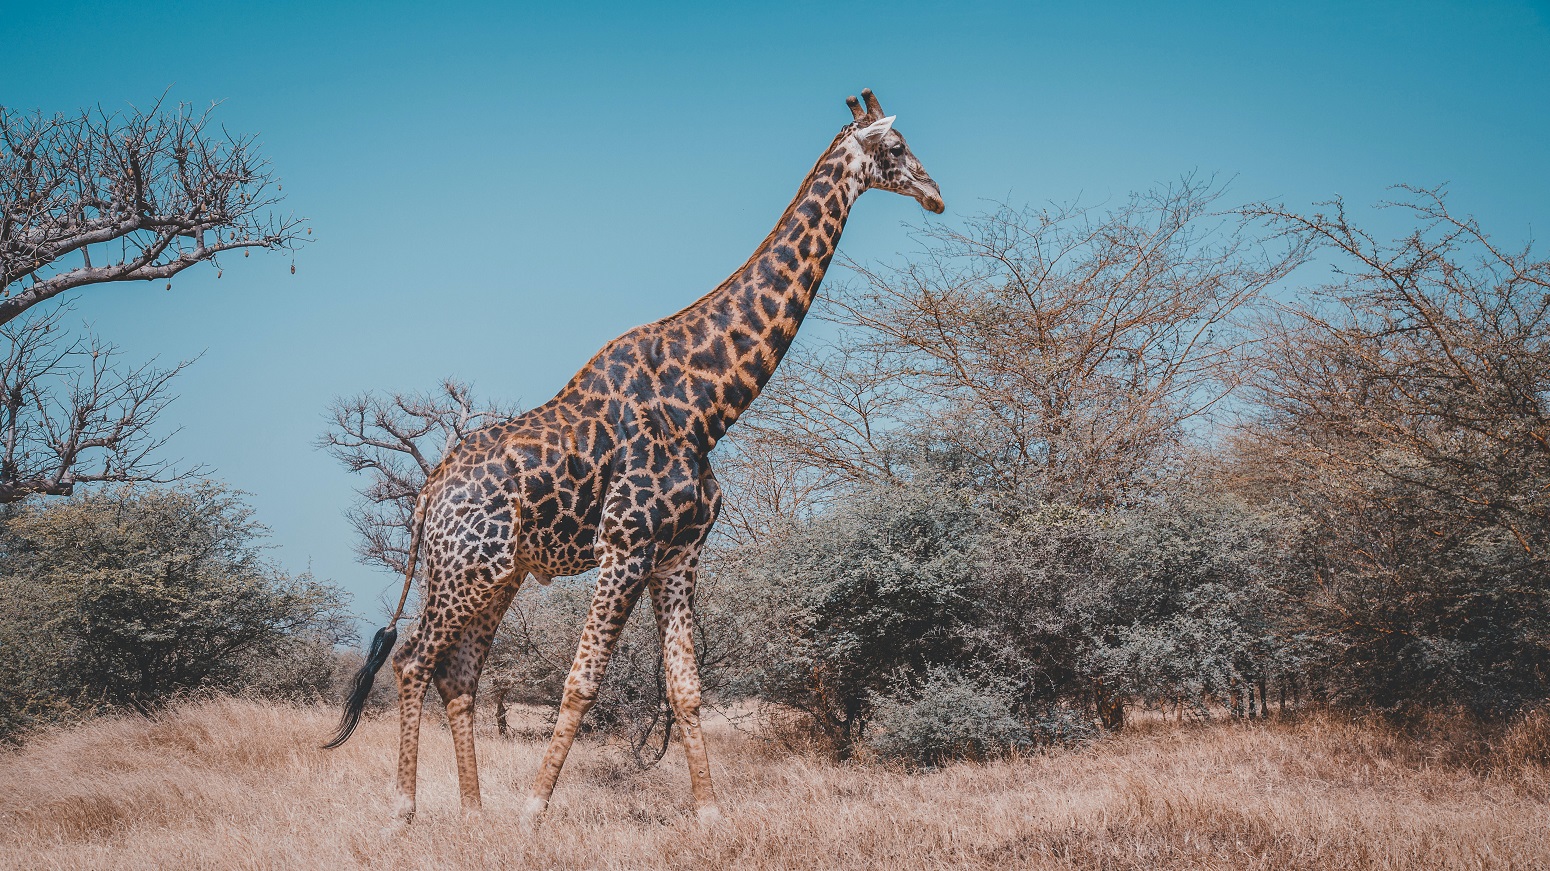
(1061,353)
(1427,363)
(69,415)
(395,441)
(136,196)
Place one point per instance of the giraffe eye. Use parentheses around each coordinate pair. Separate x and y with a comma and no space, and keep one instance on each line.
(897,151)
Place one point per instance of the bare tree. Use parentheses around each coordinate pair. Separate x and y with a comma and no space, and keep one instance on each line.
(137,196)
(96,198)
(1405,407)
(1427,362)
(69,415)
(396,440)
(764,491)
(1062,354)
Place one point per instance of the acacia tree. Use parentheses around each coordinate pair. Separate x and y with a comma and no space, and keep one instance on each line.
(1054,354)
(1406,408)
(98,198)
(1048,359)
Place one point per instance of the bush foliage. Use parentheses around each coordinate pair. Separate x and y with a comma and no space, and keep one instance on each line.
(944,715)
(127,596)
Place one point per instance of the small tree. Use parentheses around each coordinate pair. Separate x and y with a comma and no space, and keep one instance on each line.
(125,597)
(841,604)
(1405,408)
(1046,590)
(1198,612)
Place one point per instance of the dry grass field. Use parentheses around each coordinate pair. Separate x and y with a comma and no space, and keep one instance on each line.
(237,784)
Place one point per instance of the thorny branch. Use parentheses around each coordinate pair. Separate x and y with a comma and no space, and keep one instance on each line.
(138,196)
(1063,354)
(69,415)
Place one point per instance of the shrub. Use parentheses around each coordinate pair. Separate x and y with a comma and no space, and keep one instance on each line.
(126,597)
(943,715)
(880,584)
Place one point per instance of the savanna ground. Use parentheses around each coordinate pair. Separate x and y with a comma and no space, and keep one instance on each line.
(239,784)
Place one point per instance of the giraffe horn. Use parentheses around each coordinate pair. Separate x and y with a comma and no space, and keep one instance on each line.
(873,109)
(855,108)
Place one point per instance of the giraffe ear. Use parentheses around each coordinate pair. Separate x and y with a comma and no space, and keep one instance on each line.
(873,133)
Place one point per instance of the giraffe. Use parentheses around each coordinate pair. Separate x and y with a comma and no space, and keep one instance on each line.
(613,473)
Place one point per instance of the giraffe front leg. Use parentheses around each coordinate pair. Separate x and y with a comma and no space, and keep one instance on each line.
(673,601)
(617,589)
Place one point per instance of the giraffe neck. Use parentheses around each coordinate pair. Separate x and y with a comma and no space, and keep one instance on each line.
(744,327)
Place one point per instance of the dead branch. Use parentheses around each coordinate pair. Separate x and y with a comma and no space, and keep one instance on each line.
(69,415)
(1059,353)
(136,196)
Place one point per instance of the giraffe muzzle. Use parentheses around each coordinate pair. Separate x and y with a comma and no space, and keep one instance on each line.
(930,198)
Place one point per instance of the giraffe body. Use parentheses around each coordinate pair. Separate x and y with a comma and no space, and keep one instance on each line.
(613,473)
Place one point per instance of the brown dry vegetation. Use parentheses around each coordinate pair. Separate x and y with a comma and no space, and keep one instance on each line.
(237,784)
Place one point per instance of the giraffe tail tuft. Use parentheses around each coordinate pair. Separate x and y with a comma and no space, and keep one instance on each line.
(381,646)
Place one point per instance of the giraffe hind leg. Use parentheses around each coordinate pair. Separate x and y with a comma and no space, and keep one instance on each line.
(447,612)
(457,681)
(672,599)
(411,701)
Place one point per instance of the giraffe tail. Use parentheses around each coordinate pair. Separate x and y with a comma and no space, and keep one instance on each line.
(381,645)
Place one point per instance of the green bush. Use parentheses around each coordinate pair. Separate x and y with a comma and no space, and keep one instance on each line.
(842,603)
(125,597)
(945,715)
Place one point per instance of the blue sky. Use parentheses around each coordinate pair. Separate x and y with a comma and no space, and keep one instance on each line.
(496,190)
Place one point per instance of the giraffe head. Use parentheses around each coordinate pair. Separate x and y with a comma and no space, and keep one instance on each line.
(883,160)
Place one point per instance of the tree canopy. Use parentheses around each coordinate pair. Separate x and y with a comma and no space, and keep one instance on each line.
(125,597)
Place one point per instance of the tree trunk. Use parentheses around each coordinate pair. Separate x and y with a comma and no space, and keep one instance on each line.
(1111,708)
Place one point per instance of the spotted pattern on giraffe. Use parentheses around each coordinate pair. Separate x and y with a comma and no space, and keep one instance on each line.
(614,473)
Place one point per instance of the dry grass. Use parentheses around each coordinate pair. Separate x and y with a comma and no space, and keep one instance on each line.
(234,784)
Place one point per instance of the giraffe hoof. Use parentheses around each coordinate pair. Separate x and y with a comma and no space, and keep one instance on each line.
(397,826)
(403,815)
(710,817)
(530,813)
